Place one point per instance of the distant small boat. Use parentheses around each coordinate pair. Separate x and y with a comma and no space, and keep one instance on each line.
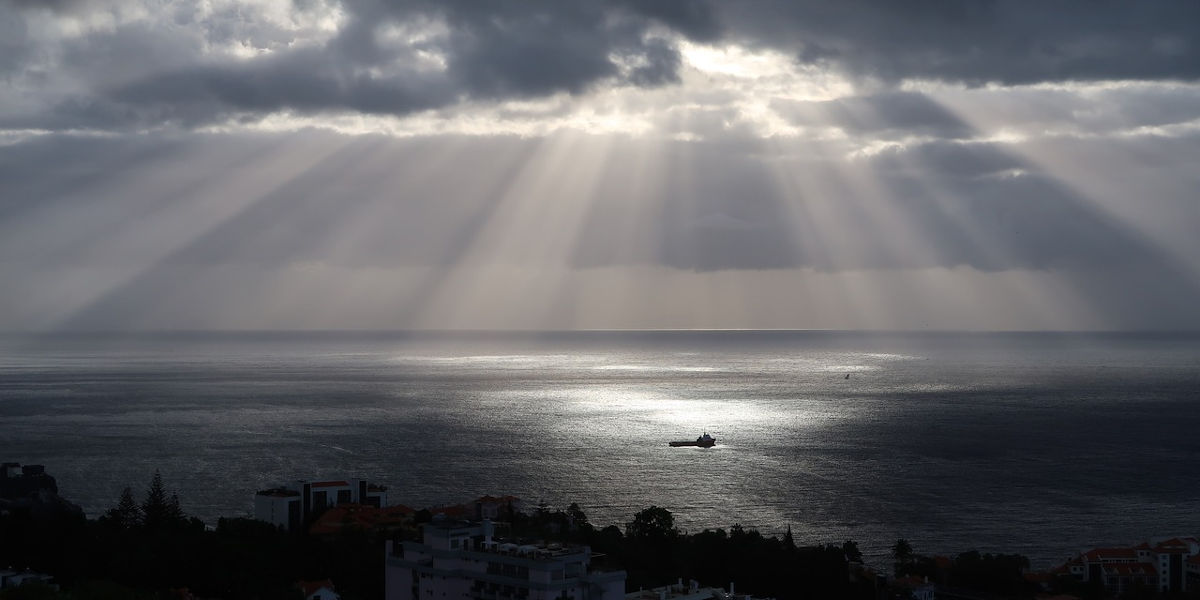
(847,376)
(704,441)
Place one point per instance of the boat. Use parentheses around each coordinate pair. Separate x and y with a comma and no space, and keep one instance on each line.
(704,441)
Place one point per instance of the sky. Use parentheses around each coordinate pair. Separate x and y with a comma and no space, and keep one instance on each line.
(655,164)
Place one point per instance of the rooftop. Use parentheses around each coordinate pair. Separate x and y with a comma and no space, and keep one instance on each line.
(544,551)
(912,581)
(1175,545)
(278,493)
(1099,554)
(359,516)
(500,499)
(670,592)
(311,587)
(447,523)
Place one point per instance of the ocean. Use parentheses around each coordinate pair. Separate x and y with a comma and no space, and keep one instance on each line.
(1037,443)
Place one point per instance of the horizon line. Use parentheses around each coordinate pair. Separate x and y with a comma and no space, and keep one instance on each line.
(516,331)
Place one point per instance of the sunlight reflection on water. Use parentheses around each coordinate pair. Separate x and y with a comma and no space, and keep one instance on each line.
(955,446)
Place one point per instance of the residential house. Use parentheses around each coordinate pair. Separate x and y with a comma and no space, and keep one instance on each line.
(292,507)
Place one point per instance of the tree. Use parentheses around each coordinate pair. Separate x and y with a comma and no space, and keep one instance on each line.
(174,512)
(902,552)
(788,542)
(652,523)
(159,510)
(578,520)
(853,554)
(127,514)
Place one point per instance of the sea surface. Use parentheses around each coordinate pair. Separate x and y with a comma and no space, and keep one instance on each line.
(1036,443)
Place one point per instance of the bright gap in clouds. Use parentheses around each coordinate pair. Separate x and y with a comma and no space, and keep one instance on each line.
(722,89)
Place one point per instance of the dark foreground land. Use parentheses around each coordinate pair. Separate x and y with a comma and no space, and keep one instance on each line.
(151,549)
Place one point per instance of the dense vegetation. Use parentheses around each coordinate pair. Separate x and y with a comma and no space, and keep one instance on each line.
(145,550)
(148,549)
(653,552)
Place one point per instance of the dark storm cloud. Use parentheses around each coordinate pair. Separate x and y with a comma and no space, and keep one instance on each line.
(977,42)
(502,50)
(970,42)
(492,50)
(514,55)
(202,94)
(52,5)
(661,65)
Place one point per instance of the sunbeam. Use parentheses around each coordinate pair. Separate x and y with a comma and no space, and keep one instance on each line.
(385,170)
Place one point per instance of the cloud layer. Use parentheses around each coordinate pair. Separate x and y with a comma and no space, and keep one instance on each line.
(171,164)
(107,65)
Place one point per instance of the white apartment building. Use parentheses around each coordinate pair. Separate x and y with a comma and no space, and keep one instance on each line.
(458,560)
(1160,564)
(1170,556)
(292,506)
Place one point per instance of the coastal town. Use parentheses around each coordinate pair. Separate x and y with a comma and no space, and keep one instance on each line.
(599,300)
(501,548)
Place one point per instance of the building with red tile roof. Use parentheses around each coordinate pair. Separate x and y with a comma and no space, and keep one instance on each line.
(1120,578)
(919,588)
(1163,564)
(318,590)
(358,517)
(492,508)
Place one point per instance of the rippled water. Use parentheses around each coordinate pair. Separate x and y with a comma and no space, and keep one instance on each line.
(1033,443)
